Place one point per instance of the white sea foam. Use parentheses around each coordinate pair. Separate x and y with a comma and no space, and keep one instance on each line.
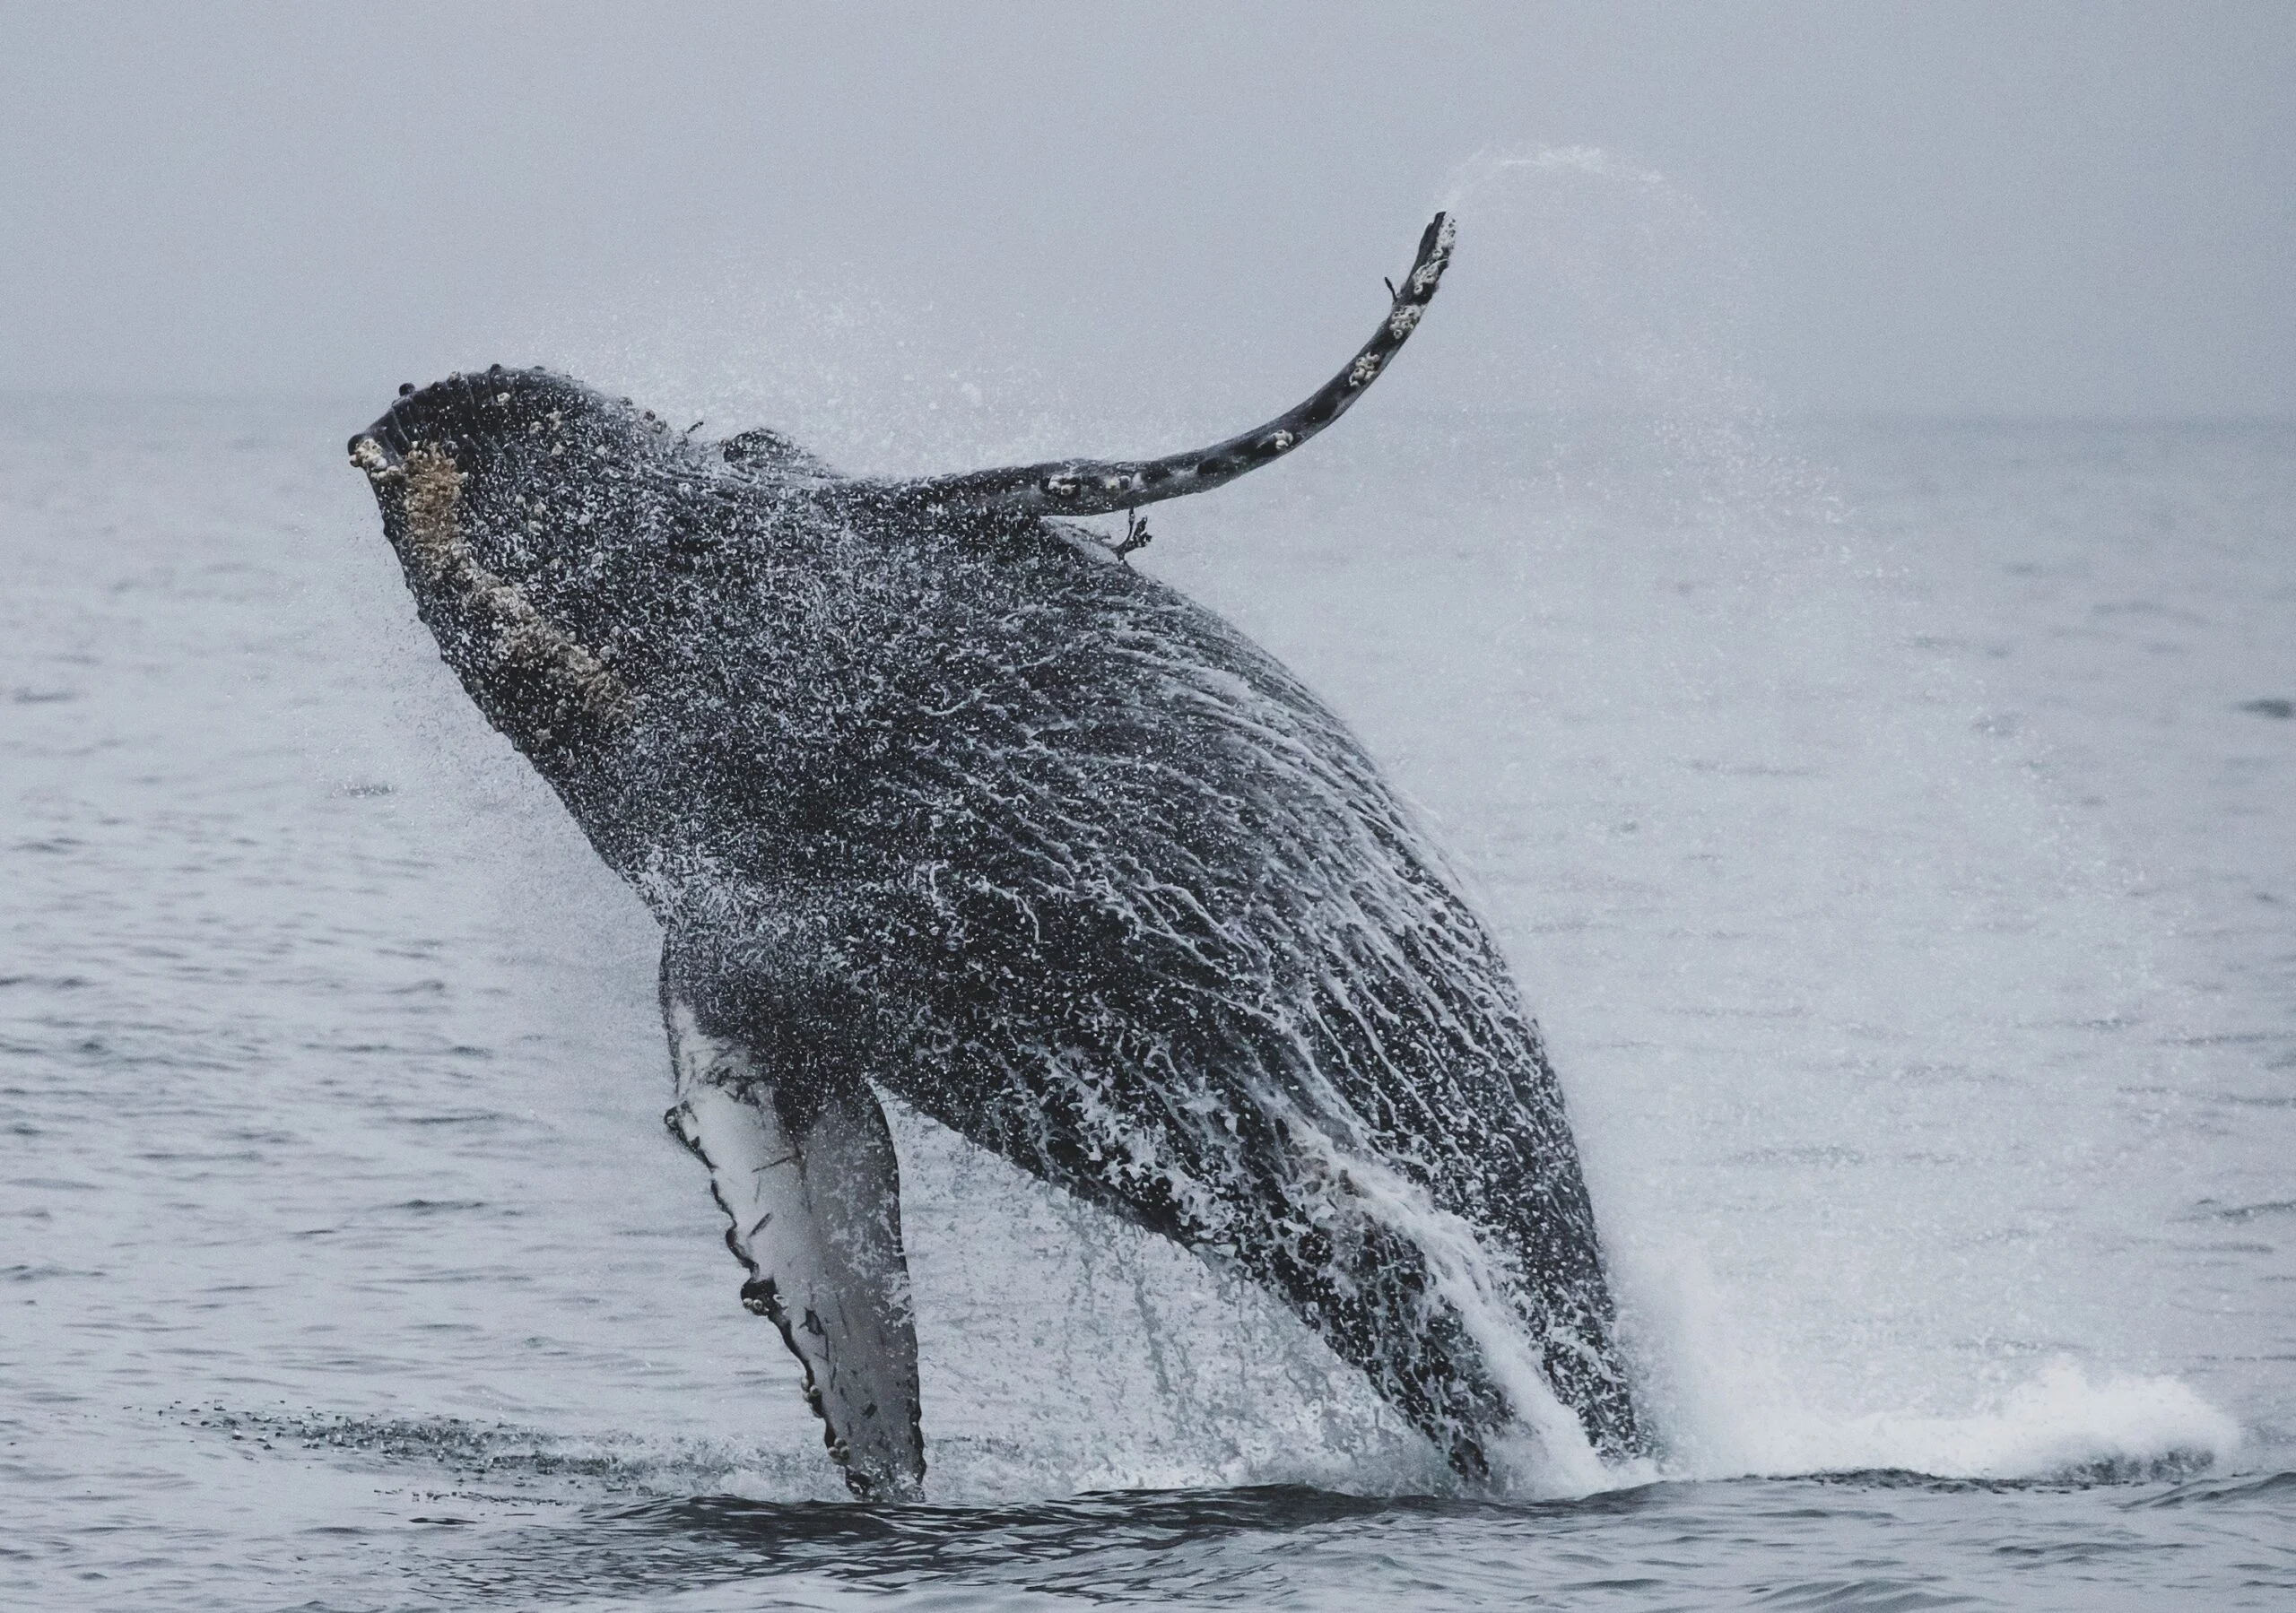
(1730,1406)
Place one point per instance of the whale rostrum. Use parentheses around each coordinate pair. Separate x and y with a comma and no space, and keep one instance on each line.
(933,795)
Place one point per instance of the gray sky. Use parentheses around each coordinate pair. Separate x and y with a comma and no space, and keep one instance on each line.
(1966,208)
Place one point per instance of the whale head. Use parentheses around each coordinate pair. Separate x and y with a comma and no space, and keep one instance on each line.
(528,512)
(516,473)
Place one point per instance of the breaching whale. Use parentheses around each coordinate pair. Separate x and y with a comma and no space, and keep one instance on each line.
(932,791)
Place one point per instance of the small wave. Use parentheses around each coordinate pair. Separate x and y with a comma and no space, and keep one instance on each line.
(2246,1212)
(506,1456)
(1122,1547)
(1042,1529)
(2225,1491)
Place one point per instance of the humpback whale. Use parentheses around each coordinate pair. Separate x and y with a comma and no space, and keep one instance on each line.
(934,793)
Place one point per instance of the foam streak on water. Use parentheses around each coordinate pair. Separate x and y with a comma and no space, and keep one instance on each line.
(1896,857)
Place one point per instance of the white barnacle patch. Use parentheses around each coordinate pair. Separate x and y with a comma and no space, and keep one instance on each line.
(500,616)
(502,398)
(1401,323)
(1282,441)
(1365,367)
(434,539)
(368,454)
(1062,486)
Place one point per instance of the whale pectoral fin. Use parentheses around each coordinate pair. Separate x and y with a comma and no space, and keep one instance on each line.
(809,1182)
(1092,487)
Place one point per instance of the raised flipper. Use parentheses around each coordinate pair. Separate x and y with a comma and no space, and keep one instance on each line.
(805,1173)
(1094,486)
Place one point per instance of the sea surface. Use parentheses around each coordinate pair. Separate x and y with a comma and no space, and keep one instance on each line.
(1893,825)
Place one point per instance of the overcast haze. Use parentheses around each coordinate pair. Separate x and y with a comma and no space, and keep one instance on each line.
(1984,209)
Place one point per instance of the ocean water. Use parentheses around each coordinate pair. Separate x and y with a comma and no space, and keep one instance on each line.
(1889,823)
